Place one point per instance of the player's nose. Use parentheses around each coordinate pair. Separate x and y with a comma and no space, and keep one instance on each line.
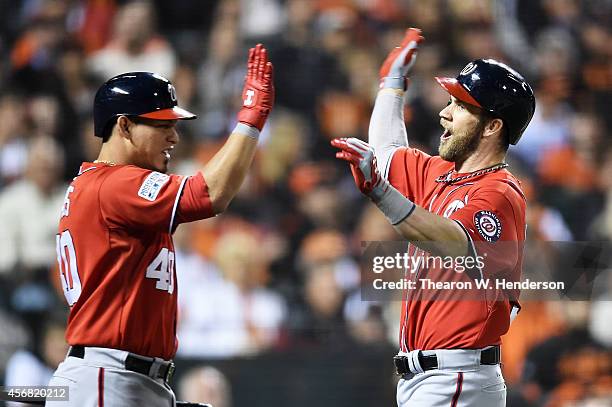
(445,113)
(173,136)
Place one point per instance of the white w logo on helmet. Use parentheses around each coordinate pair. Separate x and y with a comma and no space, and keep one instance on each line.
(468,68)
(172,92)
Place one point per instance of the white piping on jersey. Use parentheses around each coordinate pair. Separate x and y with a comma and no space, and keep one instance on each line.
(447,195)
(81,172)
(388,163)
(431,202)
(176,201)
(403,326)
(403,346)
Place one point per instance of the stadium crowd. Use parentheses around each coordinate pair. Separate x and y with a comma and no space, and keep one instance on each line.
(278,273)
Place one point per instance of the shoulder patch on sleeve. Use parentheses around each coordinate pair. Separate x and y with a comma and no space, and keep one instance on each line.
(152,185)
(488,225)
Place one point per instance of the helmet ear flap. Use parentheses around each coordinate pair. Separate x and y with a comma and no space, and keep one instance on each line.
(107,130)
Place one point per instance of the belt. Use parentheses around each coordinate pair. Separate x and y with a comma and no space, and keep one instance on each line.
(136,363)
(490,356)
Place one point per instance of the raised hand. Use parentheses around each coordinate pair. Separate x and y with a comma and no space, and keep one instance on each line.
(258,92)
(367,177)
(363,165)
(395,69)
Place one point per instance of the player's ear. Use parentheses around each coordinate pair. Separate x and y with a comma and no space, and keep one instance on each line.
(493,126)
(124,126)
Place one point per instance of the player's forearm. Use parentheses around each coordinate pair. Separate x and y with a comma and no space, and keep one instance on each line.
(412,222)
(434,233)
(387,130)
(226,171)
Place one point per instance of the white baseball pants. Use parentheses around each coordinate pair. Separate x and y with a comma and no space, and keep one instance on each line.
(101,380)
(460,381)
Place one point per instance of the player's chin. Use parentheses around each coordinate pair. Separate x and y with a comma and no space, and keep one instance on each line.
(445,150)
(163,168)
(160,165)
(449,151)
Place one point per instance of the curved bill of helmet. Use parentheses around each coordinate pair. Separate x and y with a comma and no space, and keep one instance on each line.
(173,113)
(452,86)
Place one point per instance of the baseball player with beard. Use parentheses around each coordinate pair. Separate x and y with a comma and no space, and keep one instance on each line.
(467,202)
(114,244)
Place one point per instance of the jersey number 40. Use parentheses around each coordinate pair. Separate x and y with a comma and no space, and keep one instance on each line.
(160,269)
(67,261)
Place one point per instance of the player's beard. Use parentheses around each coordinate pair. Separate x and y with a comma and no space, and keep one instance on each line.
(461,145)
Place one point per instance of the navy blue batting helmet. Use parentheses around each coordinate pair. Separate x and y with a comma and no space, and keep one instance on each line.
(142,94)
(498,89)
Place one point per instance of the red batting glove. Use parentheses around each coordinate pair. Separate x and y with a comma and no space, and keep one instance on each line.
(394,71)
(363,165)
(395,206)
(258,92)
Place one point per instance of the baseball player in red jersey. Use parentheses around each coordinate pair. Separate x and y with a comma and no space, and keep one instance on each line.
(114,244)
(466,199)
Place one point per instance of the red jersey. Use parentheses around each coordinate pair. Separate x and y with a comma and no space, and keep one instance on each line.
(491,210)
(116,256)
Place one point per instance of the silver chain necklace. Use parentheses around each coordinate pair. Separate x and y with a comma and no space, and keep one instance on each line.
(111,163)
(447,178)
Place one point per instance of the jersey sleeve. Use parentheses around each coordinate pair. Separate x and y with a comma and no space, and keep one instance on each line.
(494,221)
(195,203)
(146,200)
(410,170)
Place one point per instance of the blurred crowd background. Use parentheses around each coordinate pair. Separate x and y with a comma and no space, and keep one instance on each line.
(270,307)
